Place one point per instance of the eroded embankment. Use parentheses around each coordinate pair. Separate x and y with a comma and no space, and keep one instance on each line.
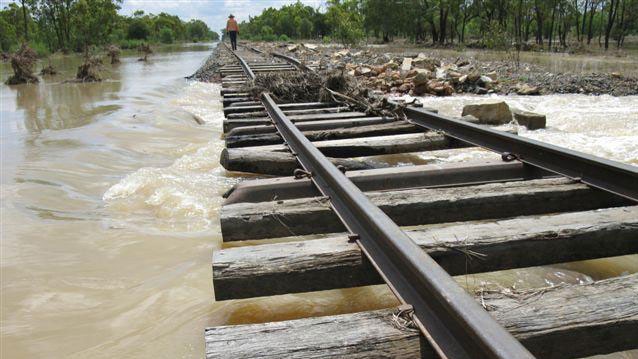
(421,73)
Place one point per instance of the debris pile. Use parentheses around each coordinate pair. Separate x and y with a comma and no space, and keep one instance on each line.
(22,63)
(89,70)
(420,74)
(48,70)
(113,51)
(146,50)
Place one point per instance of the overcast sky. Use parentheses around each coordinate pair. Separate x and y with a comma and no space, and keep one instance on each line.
(213,12)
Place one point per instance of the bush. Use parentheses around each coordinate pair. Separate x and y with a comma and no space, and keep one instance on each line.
(138,29)
(40,49)
(166,35)
(284,37)
(129,44)
(326,39)
(266,30)
(271,37)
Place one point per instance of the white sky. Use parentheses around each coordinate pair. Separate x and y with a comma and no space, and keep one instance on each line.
(212,12)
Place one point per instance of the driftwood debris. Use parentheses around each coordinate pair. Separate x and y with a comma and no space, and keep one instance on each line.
(113,52)
(22,63)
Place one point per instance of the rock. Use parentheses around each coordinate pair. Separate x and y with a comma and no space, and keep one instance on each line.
(404,88)
(406,65)
(421,78)
(454,75)
(421,56)
(292,48)
(425,63)
(312,47)
(363,71)
(351,72)
(531,120)
(525,89)
(480,91)
(462,79)
(485,80)
(470,118)
(391,65)
(420,89)
(377,70)
(616,75)
(490,113)
(440,88)
(411,73)
(473,77)
(492,75)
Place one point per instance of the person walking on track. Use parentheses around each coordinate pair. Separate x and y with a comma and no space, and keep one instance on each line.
(232,29)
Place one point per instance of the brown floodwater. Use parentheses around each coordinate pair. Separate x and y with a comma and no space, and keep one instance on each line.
(110,193)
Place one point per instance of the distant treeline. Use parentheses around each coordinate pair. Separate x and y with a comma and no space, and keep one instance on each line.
(74,25)
(488,23)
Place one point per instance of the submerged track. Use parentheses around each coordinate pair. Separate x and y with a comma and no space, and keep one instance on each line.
(454,324)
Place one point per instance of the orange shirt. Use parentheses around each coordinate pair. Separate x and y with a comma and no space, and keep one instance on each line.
(231,25)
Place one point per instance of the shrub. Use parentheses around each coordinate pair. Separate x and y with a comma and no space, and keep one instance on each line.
(271,37)
(40,49)
(166,35)
(130,44)
(138,29)
(326,39)
(266,30)
(284,37)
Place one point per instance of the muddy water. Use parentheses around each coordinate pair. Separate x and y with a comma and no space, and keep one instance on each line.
(110,194)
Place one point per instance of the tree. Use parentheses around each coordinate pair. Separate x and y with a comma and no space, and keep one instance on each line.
(138,29)
(197,30)
(305,28)
(166,35)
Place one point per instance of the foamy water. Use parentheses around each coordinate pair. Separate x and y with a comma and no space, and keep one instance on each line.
(604,126)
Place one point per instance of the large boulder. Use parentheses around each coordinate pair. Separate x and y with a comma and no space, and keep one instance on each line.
(490,113)
(531,120)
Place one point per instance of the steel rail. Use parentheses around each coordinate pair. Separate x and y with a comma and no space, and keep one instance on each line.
(291,60)
(454,323)
(244,65)
(611,176)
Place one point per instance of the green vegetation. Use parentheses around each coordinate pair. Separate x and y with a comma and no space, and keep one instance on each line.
(523,24)
(75,25)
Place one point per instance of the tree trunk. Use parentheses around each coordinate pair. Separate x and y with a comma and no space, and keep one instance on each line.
(24,18)
(590,31)
(582,30)
(551,29)
(611,18)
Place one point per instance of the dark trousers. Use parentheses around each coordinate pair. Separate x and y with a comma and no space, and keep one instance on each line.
(233,39)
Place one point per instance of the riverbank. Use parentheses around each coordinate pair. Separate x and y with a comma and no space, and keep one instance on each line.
(427,72)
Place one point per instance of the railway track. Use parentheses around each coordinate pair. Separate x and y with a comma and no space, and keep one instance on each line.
(529,204)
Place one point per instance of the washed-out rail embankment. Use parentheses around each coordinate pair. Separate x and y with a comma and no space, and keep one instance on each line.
(529,204)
